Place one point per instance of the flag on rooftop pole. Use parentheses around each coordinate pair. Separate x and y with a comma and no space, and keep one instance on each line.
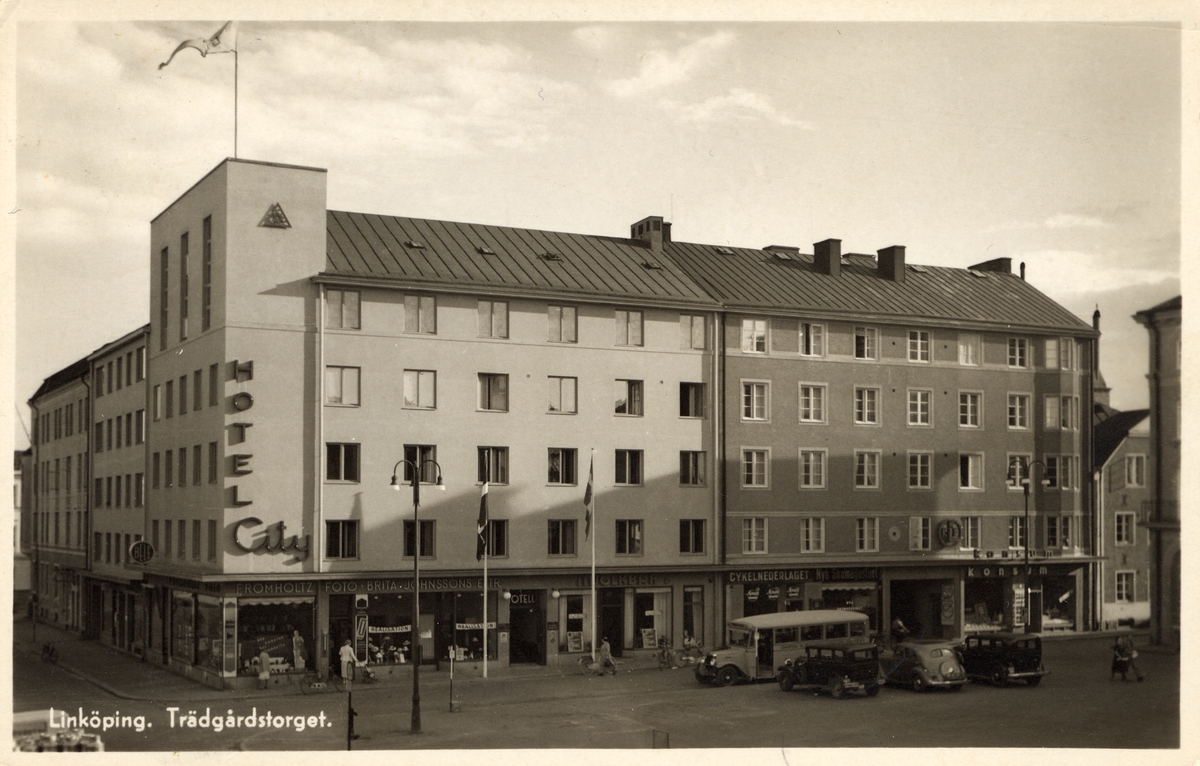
(587,500)
(224,40)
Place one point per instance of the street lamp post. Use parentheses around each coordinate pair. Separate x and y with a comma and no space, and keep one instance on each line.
(415,467)
(1025,482)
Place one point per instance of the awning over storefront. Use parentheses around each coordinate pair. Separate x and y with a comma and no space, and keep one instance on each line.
(848,586)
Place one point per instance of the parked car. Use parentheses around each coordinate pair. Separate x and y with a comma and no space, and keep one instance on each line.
(923,666)
(839,667)
(1003,657)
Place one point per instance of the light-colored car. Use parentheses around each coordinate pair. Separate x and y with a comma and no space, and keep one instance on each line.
(923,666)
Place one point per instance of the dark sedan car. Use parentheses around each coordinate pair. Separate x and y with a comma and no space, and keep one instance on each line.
(923,666)
(838,666)
(1003,657)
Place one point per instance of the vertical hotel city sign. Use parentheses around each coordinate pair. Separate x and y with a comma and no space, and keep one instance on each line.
(273,540)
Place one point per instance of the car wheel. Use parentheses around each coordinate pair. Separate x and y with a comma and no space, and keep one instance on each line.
(838,690)
(919,684)
(728,675)
(785,681)
(956,688)
(1035,680)
(872,690)
(998,676)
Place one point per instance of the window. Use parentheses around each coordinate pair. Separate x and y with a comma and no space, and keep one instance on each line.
(196,539)
(920,470)
(420,389)
(493,465)
(561,466)
(169,390)
(183,290)
(970,531)
(866,342)
(206,276)
(182,539)
(968,349)
(1050,475)
(866,534)
(562,537)
(919,404)
(168,537)
(561,324)
(969,409)
(1052,539)
(629,466)
(183,478)
(691,535)
(155,466)
(1018,470)
(1018,352)
(1126,530)
(1068,472)
(692,467)
(1065,539)
(493,392)
(212,540)
(196,464)
(1068,413)
(427,539)
(754,467)
(812,403)
(812,535)
(866,470)
(691,331)
(341,462)
(212,462)
(754,535)
(140,369)
(214,387)
(139,427)
(918,346)
(812,469)
(755,403)
(1135,470)
(1066,354)
(1125,586)
(691,400)
(866,406)
(562,394)
(628,397)
(754,336)
(342,309)
(169,465)
(420,314)
(629,537)
(812,339)
(493,319)
(1016,532)
(183,397)
(341,539)
(139,490)
(497,538)
(342,386)
(970,471)
(120,373)
(1018,411)
(1052,413)
(629,328)
(1051,354)
(424,456)
(163,299)
(920,533)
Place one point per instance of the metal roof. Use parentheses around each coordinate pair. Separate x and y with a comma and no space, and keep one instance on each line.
(454,255)
(74,371)
(755,279)
(1108,434)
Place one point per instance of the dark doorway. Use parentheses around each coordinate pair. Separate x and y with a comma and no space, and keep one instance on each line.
(612,618)
(1035,611)
(527,626)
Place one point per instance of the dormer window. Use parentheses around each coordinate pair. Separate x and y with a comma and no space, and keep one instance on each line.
(484,250)
(724,251)
(550,257)
(414,245)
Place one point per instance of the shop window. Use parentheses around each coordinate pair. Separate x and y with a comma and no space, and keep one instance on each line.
(693,615)
(691,400)
(341,462)
(468,625)
(562,537)
(427,539)
(209,633)
(691,535)
(492,465)
(578,627)
(271,624)
(629,537)
(183,626)
(341,539)
(561,466)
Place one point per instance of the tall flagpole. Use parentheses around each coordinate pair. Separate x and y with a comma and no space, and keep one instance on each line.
(591,467)
(487,545)
(235,96)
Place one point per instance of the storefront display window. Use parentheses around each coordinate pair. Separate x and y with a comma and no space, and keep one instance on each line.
(852,596)
(182,626)
(984,606)
(208,633)
(269,623)
(1058,603)
(574,612)
(651,608)
(468,625)
(693,615)
(389,628)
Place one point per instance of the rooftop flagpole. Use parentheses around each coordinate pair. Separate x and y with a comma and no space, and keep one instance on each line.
(214,44)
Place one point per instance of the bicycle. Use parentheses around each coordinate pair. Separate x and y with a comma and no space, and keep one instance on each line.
(49,653)
(588,665)
(664,655)
(691,654)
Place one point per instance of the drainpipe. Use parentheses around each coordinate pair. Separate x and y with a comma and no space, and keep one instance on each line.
(319,515)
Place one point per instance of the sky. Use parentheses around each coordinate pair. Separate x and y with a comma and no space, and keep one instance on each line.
(1054,144)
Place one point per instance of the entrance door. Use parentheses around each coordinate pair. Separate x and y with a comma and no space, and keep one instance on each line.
(612,618)
(1035,611)
(527,628)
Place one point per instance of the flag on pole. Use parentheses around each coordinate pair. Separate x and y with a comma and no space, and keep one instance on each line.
(223,41)
(587,501)
(481,545)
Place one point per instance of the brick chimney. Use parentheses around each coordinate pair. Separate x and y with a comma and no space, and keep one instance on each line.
(651,231)
(827,257)
(891,263)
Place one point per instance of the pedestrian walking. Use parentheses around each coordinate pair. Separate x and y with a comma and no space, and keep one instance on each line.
(606,658)
(299,655)
(1124,659)
(899,631)
(348,659)
(264,668)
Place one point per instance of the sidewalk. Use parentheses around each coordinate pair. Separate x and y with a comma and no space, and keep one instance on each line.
(128,677)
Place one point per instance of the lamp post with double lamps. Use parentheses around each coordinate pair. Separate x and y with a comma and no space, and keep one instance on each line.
(415,467)
(1024,481)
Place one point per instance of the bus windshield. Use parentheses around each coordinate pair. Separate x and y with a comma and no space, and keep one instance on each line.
(739,637)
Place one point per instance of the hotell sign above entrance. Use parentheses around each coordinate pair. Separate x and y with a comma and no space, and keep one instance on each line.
(803,575)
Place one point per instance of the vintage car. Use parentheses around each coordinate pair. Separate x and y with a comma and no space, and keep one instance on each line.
(839,666)
(923,666)
(1003,657)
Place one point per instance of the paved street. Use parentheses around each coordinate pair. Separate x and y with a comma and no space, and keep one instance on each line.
(1076,706)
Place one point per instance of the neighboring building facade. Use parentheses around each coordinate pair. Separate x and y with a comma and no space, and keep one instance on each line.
(22,563)
(60,498)
(1123,467)
(1164,324)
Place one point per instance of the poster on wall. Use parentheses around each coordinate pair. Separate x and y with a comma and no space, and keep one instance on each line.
(649,638)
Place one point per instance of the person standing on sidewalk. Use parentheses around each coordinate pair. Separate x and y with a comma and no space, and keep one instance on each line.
(348,659)
(606,658)
(264,668)
(298,653)
(1124,649)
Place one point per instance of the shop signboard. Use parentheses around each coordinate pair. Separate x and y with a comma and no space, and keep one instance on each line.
(405,585)
(802,575)
(1013,570)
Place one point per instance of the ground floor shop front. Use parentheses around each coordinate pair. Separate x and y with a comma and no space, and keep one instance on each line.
(216,631)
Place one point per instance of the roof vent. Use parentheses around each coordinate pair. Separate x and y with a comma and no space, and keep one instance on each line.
(977,273)
(918,269)
(724,250)
(412,244)
(484,250)
(550,256)
(651,266)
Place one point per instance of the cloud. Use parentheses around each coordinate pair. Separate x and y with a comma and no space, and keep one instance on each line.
(1067,273)
(660,68)
(1073,221)
(597,38)
(737,104)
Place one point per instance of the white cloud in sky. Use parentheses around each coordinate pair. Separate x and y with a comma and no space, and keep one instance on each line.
(1073,221)
(662,68)
(1069,273)
(737,104)
(596,37)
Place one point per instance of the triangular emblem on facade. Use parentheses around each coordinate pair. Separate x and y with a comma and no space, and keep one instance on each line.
(275,218)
